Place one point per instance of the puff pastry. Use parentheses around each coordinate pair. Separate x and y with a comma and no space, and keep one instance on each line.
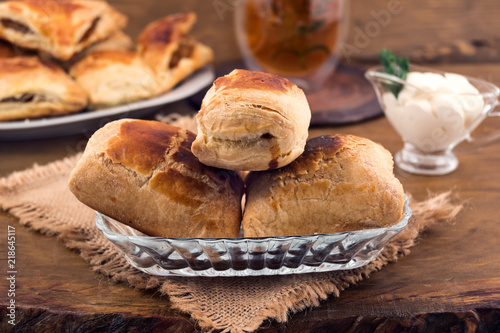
(252,121)
(172,54)
(6,50)
(119,41)
(30,87)
(114,77)
(340,183)
(143,174)
(59,28)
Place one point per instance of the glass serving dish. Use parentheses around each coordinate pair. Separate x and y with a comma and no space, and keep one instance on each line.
(432,120)
(249,256)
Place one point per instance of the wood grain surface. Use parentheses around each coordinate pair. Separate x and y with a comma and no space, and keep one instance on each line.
(449,283)
(450,277)
(426,30)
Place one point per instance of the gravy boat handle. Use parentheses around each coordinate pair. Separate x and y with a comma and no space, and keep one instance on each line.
(473,144)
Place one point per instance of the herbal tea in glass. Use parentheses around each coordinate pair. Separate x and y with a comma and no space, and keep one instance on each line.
(298,39)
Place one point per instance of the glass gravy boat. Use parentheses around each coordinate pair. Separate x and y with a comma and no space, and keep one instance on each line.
(432,122)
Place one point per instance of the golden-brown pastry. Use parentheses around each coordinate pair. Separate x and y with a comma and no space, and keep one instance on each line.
(252,121)
(9,50)
(143,174)
(114,77)
(340,183)
(119,41)
(30,87)
(59,28)
(173,55)
(6,50)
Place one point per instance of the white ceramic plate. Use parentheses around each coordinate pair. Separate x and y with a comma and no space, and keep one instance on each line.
(87,121)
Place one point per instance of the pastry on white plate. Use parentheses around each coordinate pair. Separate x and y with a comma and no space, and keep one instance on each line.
(114,77)
(59,28)
(31,87)
(168,49)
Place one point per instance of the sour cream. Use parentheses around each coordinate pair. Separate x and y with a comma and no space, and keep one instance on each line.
(434,111)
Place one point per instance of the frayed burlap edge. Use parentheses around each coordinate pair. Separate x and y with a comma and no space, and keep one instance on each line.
(86,240)
(313,288)
(19,181)
(291,293)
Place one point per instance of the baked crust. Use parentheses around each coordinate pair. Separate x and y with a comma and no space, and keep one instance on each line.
(143,174)
(59,28)
(340,183)
(7,50)
(252,121)
(173,55)
(114,77)
(118,41)
(30,88)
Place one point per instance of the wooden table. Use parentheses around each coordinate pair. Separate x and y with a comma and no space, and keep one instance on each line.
(449,282)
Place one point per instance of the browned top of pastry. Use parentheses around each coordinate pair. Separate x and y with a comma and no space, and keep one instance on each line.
(169,29)
(60,28)
(143,174)
(322,148)
(17,65)
(333,147)
(142,145)
(102,59)
(6,50)
(60,14)
(53,7)
(244,79)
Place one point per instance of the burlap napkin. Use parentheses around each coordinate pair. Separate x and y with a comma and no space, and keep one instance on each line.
(39,197)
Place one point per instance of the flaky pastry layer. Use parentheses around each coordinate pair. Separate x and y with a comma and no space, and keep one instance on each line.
(340,183)
(30,88)
(59,28)
(252,121)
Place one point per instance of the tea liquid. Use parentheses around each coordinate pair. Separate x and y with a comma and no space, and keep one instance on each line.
(292,37)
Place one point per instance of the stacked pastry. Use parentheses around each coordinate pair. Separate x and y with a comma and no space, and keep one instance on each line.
(167,182)
(165,55)
(76,56)
(144,174)
(259,122)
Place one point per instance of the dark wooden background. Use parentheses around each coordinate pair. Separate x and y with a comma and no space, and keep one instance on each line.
(427,30)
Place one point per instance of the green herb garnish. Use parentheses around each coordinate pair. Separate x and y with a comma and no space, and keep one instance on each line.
(398,67)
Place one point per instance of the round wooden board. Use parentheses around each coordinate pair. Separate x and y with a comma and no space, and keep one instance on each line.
(346,97)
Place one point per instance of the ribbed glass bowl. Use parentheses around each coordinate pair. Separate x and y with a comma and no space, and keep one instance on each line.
(248,256)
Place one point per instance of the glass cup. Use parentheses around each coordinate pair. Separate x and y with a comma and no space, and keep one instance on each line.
(298,39)
(433,119)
